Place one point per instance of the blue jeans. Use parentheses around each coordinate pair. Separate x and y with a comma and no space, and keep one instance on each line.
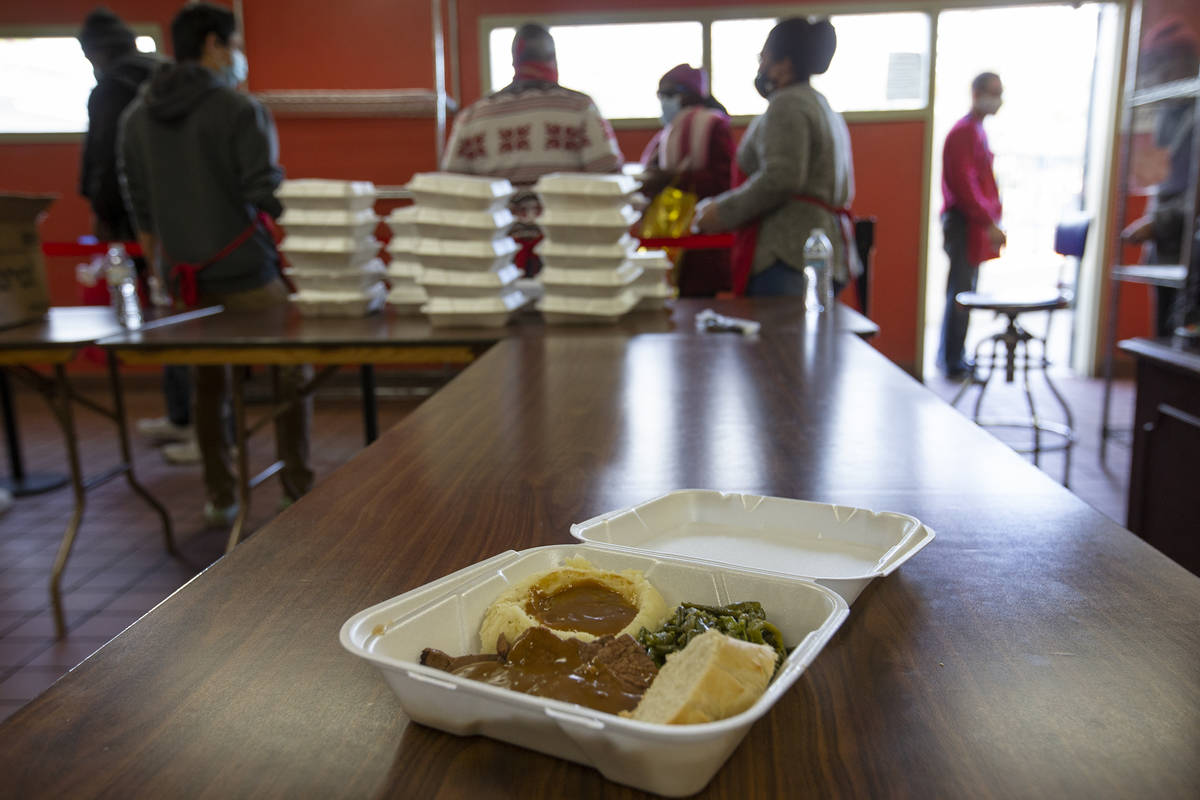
(777,280)
(963,277)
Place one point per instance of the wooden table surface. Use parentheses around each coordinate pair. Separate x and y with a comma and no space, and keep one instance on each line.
(1034,649)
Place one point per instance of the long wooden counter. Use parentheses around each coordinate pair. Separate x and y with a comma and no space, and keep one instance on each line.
(1034,649)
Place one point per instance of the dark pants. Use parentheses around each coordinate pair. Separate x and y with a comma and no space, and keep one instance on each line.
(963,277)
(177,389)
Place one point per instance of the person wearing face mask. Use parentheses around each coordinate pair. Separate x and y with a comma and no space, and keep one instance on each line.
(694,153)
(199,172)
(798,166)
(971,214)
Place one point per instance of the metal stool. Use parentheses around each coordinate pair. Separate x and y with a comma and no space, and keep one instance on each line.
(1016,356)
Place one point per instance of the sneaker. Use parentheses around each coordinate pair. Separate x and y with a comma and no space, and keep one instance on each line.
(220,517)
(181,453)
(161,429)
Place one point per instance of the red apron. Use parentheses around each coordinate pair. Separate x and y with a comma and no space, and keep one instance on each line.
(187,274)
(746,240)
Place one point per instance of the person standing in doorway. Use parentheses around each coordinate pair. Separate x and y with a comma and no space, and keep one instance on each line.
(971,214)
(199,171)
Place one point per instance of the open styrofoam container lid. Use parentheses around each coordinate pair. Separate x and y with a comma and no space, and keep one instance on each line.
(623,275)
(587,184)
(320,187)
(328,244)
(620,217)
(840,547)
(613,306)
(454,185)
(485,279)
(623,249)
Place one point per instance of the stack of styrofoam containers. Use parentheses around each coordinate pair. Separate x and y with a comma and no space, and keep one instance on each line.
(406,295)
(463,248)
(653,287)
(587,272)
(331,247)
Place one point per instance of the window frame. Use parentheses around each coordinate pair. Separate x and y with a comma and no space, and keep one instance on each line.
(706,17)
(153,30)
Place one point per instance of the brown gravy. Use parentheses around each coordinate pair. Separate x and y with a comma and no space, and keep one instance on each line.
(587,606)
(539,663)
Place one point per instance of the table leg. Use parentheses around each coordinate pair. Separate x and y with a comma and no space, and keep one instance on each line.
(370,407)
(1110,343)
(19,483)
(61,404)
(243,458)
(114,377)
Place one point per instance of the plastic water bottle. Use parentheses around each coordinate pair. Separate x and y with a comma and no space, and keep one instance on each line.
(818,271)
(122,287)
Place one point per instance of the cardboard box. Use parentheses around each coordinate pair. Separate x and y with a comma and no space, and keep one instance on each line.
(23,294)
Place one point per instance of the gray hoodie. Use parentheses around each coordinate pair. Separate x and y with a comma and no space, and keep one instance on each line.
(198,162)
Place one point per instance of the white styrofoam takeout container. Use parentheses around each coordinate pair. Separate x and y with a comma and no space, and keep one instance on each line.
(461,192)
(440,223)
(562,309)
(604,226)
(340,223)
(403,268)
(563,255)
(624,275)
(490,311)
(585,191)
(464,283)
(329,252)
(407,298)
(480,256)
(318,194)
(341,304)
(720,528)
(338,280)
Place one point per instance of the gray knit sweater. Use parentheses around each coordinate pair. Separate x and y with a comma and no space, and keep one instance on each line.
(798,146)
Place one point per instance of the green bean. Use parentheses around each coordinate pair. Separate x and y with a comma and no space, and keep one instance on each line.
(745,620)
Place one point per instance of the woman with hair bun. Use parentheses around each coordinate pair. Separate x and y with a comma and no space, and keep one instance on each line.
(799,168)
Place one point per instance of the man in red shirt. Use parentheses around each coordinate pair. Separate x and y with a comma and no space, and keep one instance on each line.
(970,215)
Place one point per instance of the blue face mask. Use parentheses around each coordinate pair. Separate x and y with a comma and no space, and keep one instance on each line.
(237,71)
(671,105)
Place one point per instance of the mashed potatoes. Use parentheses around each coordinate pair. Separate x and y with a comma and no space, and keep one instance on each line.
(575,600)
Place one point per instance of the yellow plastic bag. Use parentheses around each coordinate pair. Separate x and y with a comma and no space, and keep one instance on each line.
(669,215)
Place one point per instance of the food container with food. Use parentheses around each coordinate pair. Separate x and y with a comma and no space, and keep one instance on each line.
(603,226)
(329,252)
(317,194)
(465,283)
(459,192)
(480,256)
(341,304)
(563,255)
(336,280)
(440,223)
(490,311)
(672,760)
(586,191)
(558,309)
(341,223)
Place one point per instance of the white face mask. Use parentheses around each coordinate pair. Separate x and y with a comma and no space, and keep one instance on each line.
(671,105)
(988,103)
(238,70)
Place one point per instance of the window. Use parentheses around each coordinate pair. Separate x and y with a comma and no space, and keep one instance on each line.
(45,82)
(617,64)
(881,63)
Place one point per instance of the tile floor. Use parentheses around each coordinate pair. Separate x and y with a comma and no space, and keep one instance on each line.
(119,569)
